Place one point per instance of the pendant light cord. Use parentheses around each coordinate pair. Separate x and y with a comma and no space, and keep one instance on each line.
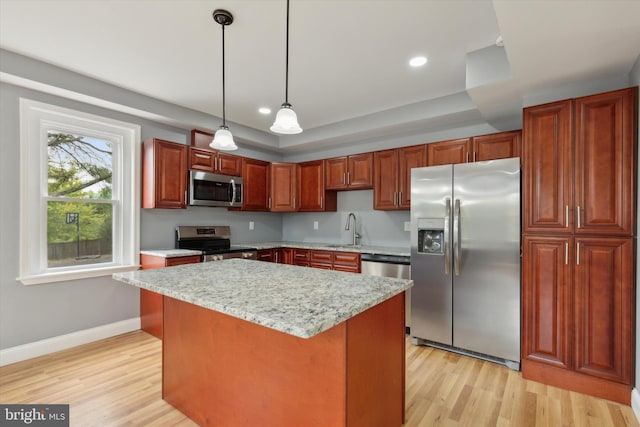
(286,86)
(224,123)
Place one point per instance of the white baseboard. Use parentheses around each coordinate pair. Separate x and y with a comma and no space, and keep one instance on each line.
(635,402)
(63,342)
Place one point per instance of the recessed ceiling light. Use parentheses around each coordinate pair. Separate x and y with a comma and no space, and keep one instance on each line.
(264,110)
(418,61)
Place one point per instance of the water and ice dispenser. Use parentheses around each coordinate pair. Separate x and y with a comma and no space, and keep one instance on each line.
(431,235)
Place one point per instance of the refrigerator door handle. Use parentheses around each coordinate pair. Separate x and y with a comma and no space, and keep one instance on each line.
(456,238)
(447,246)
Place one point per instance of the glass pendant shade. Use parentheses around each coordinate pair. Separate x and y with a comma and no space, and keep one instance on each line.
(286,121)
(223,140)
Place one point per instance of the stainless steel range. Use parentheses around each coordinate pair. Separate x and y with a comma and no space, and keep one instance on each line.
(214,242)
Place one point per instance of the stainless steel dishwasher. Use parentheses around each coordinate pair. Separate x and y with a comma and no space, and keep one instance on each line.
(397,266)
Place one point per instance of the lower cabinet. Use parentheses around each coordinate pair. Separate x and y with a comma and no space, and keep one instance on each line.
(577,317)
(330,260)
(151,306)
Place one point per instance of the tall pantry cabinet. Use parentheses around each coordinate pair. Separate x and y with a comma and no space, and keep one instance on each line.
(579,225)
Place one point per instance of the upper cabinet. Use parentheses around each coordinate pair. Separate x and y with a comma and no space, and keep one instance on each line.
(494,146)
(283,187)
(349,172)
(203,158)
(392,177)
(581,182)
(312,196)
(255,179)
(448,152)
(164,174)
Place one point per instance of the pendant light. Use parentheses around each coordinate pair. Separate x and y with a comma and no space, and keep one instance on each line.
(286,119)
(223,140)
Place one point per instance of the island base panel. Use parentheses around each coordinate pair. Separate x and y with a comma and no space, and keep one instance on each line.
(220,370)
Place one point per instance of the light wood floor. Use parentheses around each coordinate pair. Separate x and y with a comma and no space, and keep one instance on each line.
(117,381)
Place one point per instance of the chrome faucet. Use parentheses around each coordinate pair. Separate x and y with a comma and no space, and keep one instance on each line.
(356,236)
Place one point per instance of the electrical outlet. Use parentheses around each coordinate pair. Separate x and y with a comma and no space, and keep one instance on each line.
(315,225)
(407,226)
(251,225)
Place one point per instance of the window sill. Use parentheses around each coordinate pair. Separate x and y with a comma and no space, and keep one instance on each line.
(37,279)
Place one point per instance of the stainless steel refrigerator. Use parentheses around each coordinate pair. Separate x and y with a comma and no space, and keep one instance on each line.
(465,258)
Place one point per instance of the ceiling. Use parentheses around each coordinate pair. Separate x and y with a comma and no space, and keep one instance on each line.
(348,59)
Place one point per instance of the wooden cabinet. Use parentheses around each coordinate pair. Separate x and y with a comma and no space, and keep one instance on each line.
(347,261)
(321,259)
(151,305)
(493,146)
(214,162)
(349,172)
(597,195)
(604,178)
(301,257)
(255,185)
(203,158)
(266,255)
(164,174)
(584,325)
(579,197)
(283,187)
(448,152)
(392,177)
(312,196)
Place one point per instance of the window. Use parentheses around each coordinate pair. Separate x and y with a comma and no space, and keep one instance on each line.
(79,184)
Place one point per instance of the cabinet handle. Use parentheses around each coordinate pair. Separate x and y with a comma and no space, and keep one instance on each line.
(276,257)
(578,253)
(578,210)
(566,216)
(269,202)
(474,156)
(321,202)
(400,198)
(294,203)
(467,157)
(348,178)
(395,198)
(566,253)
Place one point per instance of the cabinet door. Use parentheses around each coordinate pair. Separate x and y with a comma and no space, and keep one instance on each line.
(265,255)
(605,160)
(448,152)
(202,160)
(287,256)
(164,174)
(347,261)
(496,146)
(311,186)
(301,257)
(228,164)
(283,187)
(547,159)
(255,188)
(408,158)
(603,308)
(336,173)
(546,300)
(360,171)
(385,180)
(321,259)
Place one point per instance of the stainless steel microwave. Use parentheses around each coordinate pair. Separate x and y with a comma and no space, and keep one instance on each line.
(209,189)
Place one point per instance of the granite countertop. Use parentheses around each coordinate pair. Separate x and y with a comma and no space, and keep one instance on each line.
(171,253)
(363,249)
(299,301)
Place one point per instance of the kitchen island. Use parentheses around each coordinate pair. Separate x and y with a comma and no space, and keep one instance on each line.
(248,343)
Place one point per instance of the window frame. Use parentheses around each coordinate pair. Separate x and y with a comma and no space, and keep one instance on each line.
(36,118)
